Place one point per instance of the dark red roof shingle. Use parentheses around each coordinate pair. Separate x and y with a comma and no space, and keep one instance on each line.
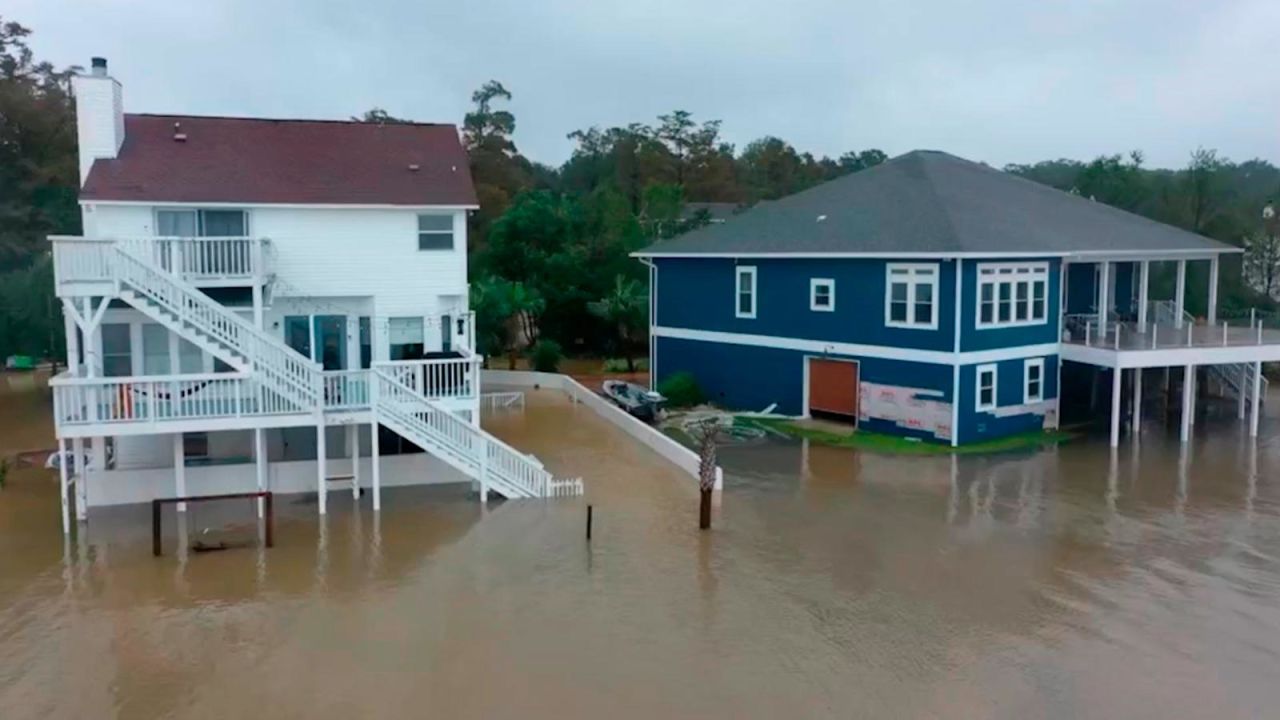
(251,160)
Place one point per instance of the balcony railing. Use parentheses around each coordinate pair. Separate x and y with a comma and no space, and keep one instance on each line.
(115,400)
(445,379)
(198,260)
(1116,335)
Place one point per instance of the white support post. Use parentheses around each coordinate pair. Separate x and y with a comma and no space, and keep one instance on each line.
(1116,375)
(260,461)
(353,437)
(1188,401)
(1137,402)
(1144,274)
(79,461)
(321,470)
(1241,389)
(258,310)
(484,472)
(1212,314)
(1180,294)
(1104,296)
(377,469)
(179,470)
(1195,393)
(62,485)
(73,341)
(1257,399)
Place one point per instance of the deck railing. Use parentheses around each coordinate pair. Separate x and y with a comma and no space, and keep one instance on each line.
(442,378)
(112,400)
(198,260)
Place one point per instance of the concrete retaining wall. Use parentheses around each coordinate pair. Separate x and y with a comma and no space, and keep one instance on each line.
(679,455)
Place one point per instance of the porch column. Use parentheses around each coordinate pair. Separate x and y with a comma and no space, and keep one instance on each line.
(79,461)
(353,437)
(260,460)
(321,470)
(1144,274)
(257,305)
(179,470)
(1137,402)
(1104,295)
(1241,389)
(73,343)
(62,486)
(377,470)
(1180,294)
(1188,401)
(1212,314)
(1257,399)
(1116,375)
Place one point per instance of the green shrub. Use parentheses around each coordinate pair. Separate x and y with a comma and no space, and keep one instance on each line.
(546,356)
(619,365)
(681,390)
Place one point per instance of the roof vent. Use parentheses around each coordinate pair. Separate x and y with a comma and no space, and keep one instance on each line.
(822,218)
(414,167)
(178,135)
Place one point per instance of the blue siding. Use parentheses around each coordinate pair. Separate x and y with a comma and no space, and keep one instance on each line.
(742,377)
(976,426)
(698,293)
(971,338)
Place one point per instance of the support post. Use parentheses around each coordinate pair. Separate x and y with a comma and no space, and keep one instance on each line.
(1180,294)
(1212,314)
(1137,402)
(1116,375)
(79,461)
(1257,399)
(322,489)
(258,318)
(73,340)
(1144,274)
(1242,387)
(260,461)
(62,485)
(1188,401)
(484,472)
(377,466)
(1104,296)
(179,470)
(353,437)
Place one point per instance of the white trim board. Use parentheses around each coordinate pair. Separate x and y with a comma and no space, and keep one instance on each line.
(1170,356)
(907,255)
(166,204)
(885,352)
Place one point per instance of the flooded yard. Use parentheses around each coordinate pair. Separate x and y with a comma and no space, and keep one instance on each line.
(1068,583)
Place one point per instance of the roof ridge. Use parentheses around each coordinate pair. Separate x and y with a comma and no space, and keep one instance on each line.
(290,120)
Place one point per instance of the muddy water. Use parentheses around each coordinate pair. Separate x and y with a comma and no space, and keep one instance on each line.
(1072,583)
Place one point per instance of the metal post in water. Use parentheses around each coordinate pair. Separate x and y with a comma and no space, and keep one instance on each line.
(590,512)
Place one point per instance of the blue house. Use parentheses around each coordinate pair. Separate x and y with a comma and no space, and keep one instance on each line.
(937,298)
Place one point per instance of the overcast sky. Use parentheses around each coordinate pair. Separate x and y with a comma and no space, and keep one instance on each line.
(1001,81)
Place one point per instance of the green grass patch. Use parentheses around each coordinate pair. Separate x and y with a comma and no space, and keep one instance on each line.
(896,445)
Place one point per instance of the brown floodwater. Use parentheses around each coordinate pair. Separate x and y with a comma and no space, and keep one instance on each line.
(1068,583)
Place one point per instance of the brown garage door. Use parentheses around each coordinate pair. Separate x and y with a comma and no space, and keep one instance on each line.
(833,387)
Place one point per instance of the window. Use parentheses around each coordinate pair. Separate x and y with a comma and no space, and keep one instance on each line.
(366,344)
(116,358)
(822,294)
(155,349)
(745,292)
(435,232)
(911,296)
(404,335)
(1012,294)
(1033,380)
(202,223)
(986,388)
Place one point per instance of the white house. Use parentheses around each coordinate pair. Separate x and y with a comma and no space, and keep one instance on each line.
(269,305)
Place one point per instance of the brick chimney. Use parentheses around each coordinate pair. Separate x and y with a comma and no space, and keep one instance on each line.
(99,115)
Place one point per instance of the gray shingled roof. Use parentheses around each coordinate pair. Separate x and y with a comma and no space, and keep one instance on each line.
(931,202)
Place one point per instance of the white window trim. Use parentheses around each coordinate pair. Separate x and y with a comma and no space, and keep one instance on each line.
(1027,398)
(155,217)
(995,387)
(912,284)
(830,285)
(739,271)
(451,233)
(1032,271)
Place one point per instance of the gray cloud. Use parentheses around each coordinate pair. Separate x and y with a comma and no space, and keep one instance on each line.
(998,81)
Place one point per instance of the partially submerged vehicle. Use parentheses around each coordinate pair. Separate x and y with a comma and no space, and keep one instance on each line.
(640,402)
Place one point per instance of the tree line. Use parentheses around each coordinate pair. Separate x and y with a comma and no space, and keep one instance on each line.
(550,246)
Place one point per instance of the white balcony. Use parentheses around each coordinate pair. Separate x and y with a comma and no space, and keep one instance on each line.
(81,264)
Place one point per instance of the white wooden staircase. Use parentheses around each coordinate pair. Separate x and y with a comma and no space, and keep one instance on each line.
(271,384)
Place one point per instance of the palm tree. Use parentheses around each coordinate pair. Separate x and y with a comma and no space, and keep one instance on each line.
(624,308)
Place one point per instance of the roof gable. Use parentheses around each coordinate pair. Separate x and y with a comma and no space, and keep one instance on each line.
(936,203)
(258,161)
